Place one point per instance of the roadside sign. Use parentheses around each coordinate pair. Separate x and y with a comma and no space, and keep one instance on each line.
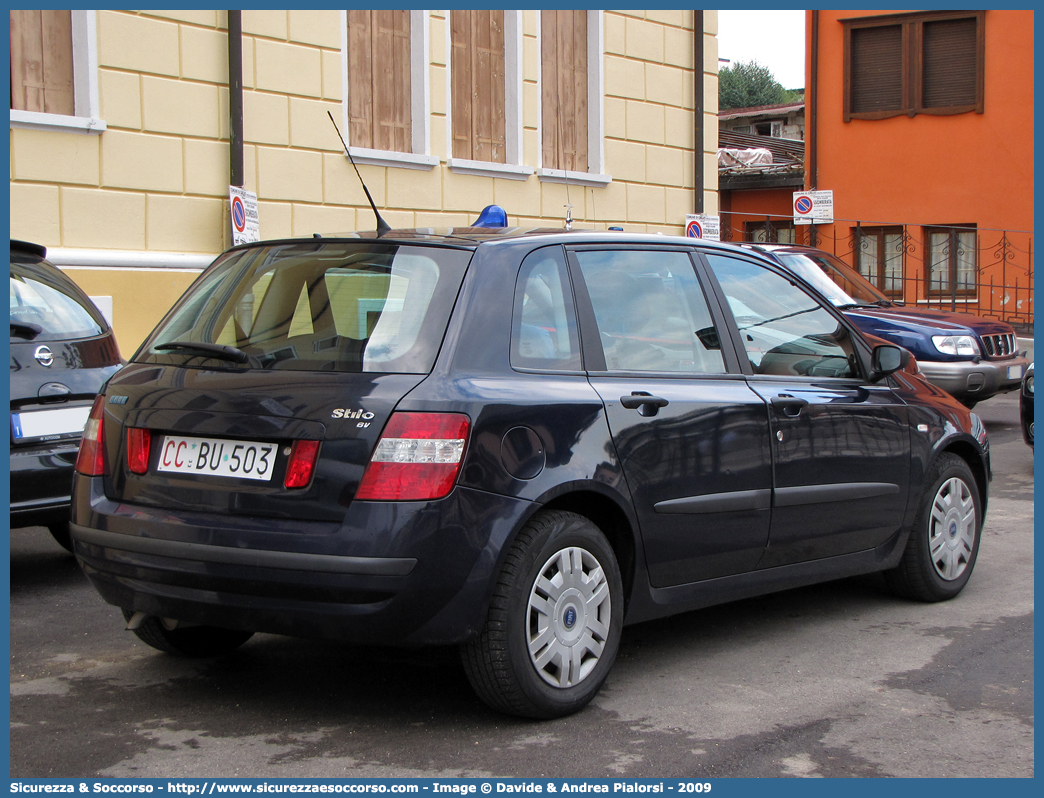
(702,225)
(245,223)
(814,207)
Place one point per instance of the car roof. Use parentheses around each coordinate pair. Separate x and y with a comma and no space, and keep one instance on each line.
(473,237)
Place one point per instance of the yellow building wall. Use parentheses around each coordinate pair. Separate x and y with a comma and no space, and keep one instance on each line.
(140,297)
(156,180)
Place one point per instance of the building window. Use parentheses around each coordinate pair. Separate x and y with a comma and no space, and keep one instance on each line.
(925,63)
(571,113)
(563,64)
(478,79)
(42,62)
(385,58)
(54,71)
(951,263)
(769,232)
(485,88)
(879,257)
(379,80)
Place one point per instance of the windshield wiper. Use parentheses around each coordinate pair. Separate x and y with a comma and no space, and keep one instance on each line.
(25,329)
(220,351)
(852,305)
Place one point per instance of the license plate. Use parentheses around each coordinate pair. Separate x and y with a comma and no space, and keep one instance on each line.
(1014,372)
(49,425)
(215,457)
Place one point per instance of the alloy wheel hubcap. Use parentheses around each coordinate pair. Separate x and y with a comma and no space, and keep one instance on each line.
(951,531)
(568,617)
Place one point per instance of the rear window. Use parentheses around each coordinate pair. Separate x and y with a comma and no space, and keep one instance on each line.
(46,306)
(323,306)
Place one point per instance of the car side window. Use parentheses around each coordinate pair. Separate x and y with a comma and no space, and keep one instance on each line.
(784,330)
(650,311)
(543,330)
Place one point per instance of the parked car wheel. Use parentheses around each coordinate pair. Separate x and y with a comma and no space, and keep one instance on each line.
(60,532)
(944,543)
(553,626)
(188,641)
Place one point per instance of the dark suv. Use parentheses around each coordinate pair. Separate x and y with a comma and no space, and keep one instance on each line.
(62,352)
(516,441)
(970,357)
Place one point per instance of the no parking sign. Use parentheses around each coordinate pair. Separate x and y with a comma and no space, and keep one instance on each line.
(814,207)
(702,225)
(245,224)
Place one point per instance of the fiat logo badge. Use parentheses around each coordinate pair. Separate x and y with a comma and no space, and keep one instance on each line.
(44,356)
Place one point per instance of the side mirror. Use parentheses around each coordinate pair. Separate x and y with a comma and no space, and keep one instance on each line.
(887,359)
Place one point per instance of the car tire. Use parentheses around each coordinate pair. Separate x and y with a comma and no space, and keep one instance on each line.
(542,655)
(60,532)
(944,542)
(188,641)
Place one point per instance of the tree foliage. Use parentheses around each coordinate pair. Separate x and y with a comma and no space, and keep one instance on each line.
(748,84)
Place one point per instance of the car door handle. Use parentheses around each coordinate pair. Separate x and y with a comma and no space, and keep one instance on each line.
(788,405)
(646,404)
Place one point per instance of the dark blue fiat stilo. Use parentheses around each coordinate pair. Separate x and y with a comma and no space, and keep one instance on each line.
(512,440)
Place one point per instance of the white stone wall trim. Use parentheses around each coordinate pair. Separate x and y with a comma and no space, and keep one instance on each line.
(36,120)
(489,169)
(574,178)
(122,258)
(390,158)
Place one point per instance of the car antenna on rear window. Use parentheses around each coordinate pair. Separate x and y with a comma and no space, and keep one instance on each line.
(382,226)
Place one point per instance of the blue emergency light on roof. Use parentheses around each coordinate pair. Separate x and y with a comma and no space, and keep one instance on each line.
(492,216)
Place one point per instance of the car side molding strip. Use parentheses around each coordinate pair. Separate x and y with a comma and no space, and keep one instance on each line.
(291,560)
(731,502)
(841,492)
(741,500)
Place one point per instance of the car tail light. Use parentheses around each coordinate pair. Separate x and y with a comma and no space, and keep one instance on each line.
(301,464)
(138,443)
(90,460)
(417,458)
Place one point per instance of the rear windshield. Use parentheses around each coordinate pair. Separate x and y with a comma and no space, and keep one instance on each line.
(46,306)
(322,306)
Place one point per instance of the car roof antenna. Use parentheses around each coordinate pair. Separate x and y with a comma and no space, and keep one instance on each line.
(382,226)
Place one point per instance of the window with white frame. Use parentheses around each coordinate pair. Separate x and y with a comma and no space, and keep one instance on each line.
(570,96)
(54,70)
(485,91)
(387,99)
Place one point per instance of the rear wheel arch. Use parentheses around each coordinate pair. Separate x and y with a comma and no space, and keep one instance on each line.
(614,523)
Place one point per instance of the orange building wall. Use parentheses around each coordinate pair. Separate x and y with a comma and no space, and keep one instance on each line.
(740,207)
(932,170)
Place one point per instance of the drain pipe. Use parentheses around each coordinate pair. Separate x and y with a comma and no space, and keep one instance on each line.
(697,64)
(235,98)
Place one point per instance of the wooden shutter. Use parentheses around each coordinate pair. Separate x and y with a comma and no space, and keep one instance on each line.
(477,84)
(42,62)
(379,78)
(563,58)
(950,66)
(876,69)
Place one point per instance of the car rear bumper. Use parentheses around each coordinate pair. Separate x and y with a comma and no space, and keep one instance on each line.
(41,481)
(407,573)
(975,381)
